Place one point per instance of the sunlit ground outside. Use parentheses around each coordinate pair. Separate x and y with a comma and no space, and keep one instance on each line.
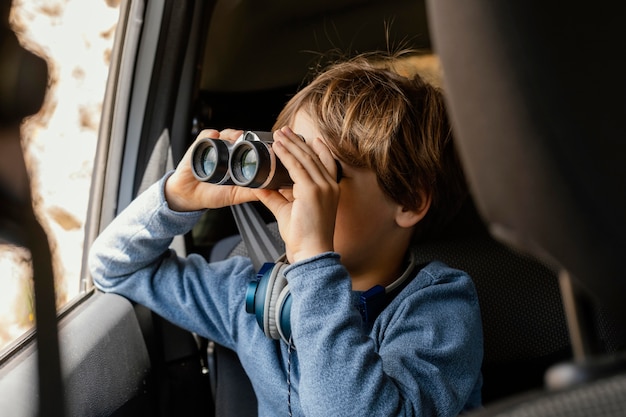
(75,37)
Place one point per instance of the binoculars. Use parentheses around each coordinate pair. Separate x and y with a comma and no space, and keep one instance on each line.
(247,162)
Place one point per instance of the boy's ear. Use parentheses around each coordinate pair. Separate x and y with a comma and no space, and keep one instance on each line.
(410,217)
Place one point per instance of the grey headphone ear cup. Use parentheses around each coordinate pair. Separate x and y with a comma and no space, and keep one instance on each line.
(276,285)
(283,317)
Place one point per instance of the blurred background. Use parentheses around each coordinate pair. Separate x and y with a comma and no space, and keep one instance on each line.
(75,37)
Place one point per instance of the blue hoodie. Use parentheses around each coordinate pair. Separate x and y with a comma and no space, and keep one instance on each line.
(420,357)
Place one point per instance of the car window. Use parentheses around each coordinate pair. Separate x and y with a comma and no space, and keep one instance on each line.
(76,39)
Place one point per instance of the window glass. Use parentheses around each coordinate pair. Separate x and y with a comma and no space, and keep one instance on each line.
(75,37)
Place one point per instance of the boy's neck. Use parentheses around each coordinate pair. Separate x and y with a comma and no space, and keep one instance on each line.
(384,275)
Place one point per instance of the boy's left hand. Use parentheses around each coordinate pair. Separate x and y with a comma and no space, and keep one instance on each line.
(184,192)
(306,213)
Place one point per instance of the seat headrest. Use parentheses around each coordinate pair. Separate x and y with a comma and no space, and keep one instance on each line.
(540,118)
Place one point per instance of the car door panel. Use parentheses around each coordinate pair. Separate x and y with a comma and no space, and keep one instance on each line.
(104,362)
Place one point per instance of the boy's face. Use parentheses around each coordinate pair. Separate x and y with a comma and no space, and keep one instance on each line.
(365,228)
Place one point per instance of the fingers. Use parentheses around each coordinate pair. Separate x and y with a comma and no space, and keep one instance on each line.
(272,199)
(226,134)
(312,160)
(230,134)
(332,165)
(208,133)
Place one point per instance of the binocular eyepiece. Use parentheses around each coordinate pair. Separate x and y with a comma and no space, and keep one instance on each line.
(248,162)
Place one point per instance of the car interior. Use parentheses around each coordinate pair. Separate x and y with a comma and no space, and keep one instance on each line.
(541,236)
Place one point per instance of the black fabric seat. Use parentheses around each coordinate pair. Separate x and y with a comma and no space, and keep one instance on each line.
(524,326)
(537,98)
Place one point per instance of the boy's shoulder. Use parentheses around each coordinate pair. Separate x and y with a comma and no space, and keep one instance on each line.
(438,294)
(437,277)
(436,272)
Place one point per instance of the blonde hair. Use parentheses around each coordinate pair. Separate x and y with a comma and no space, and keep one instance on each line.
(372,117)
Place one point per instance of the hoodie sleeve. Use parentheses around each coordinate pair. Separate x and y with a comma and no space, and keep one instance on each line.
(132,258)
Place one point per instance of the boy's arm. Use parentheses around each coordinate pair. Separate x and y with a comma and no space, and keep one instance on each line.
(132,258)
(426,357)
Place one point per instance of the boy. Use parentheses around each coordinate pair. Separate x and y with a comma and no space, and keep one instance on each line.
(421,354)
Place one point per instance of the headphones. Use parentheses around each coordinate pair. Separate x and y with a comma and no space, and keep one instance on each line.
(269,299)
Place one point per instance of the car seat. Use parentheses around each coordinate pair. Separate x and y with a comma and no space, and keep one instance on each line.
(537,98)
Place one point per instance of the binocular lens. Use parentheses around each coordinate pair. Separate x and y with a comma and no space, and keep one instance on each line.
(209,161)
(253,164)
(249,164)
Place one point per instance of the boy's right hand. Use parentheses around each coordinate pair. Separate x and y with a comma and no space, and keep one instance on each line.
(184,192)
